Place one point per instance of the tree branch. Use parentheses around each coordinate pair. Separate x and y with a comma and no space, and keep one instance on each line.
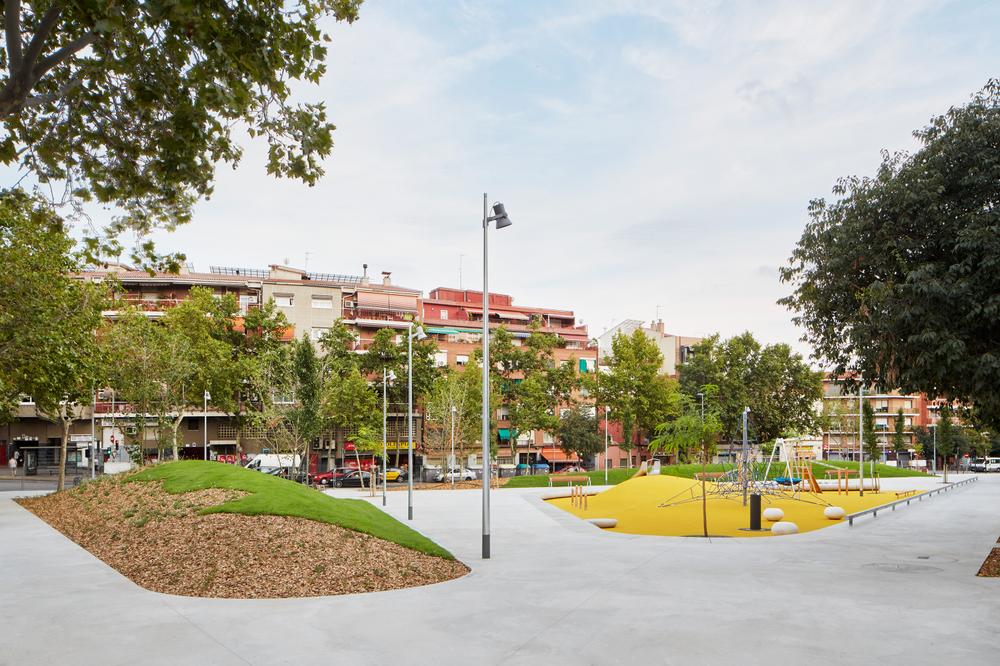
(12,28)
(45,27)
(63,54)
(38,100)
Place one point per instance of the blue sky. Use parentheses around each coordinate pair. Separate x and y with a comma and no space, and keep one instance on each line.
(650,154)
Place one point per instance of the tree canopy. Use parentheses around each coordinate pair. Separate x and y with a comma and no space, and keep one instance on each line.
(578,433)
(898,279)
(47,319)
(774,382)
(133,103)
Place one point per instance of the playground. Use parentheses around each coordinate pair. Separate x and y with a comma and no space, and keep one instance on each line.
(747,500)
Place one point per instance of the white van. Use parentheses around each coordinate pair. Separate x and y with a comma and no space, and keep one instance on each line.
(267,462)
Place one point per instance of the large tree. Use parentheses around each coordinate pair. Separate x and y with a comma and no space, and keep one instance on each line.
(579,434)
(133,103)
(349,404)
(774,382)
(639,397)
(47,319)
(897,280)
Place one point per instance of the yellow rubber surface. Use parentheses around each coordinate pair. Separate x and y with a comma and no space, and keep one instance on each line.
(636,506)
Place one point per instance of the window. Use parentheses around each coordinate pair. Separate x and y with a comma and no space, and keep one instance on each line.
(440,359)
(322,302)
(193,424)
(28,400)
(319,331)
(623,462)
(444,314)
(246,301)
(150,296)
(282,398)
(283,300)
(462,359)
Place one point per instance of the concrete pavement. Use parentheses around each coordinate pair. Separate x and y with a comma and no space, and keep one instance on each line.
(897,588)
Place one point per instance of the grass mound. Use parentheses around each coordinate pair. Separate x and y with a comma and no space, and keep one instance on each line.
(211,530)
(271,496)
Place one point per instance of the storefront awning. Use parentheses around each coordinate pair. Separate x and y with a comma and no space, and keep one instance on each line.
(555,454)
(442,331)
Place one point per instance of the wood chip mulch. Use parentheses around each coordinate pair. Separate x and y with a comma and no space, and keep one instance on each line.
(159,541)
(991,566)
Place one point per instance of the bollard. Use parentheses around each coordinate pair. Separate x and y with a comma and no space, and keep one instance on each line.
(755,512)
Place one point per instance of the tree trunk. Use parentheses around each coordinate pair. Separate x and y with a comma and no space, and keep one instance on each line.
(173,440)
(357,457)
(66,421)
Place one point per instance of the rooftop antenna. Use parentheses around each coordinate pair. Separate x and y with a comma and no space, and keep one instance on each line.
(460,257)
(657,313)
(306,267)
(365,274)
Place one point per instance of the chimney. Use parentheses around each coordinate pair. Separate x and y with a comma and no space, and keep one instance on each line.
(364,276)
(658,326)
(386,280)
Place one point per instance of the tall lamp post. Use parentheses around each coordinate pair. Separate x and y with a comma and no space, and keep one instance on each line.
(934,461)
(207,396)
(701,396)
(607,408)
(500,217)
(385,415)
(451,463)
(418,333)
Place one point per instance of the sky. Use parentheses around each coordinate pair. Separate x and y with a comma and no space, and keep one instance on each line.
(656,158)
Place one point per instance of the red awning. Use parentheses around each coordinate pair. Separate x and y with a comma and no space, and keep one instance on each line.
(555,454)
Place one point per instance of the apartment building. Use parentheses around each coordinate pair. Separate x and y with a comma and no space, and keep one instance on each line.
(311,302)
(455,318)
(675,348)
(840,438)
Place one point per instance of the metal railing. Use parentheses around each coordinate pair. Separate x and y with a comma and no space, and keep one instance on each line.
(906,500)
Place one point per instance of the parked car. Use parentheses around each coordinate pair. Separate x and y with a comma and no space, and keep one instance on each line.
(352,479)
(456,474)
(393,474)
(328,478)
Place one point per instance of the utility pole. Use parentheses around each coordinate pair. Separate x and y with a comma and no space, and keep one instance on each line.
(861,439)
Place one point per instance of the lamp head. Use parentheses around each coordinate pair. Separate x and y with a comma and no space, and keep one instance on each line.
(419,333)
(500,215)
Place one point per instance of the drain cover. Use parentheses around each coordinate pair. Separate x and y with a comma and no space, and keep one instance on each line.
(902,567)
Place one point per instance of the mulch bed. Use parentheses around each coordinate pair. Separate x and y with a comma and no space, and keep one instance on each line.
(991,566)
(159,541)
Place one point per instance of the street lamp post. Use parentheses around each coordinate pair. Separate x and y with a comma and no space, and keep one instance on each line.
(934,432)
(385,416)
(861,440)
(451,463)
(419,334)
(205,433)
(701,396)
(500,217)
(607,408)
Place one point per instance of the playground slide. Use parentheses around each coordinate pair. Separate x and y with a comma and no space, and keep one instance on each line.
(828,485)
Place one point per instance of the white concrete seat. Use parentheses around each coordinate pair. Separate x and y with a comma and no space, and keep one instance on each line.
(603,523)
(834,512)
(773,514)
(784,527)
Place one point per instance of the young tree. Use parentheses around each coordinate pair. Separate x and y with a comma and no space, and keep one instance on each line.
(691,434)
(578,433)
(632,387)
(202,358)
(945,438)
(896,280)
(349,404)
(132,103)
(924,441)
(899,436)
(290,380)
(870,442)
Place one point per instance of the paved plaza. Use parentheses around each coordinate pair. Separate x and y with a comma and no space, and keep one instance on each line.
(898,588)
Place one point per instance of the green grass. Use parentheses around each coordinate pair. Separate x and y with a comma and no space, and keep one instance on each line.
(687,471)
(272,496)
